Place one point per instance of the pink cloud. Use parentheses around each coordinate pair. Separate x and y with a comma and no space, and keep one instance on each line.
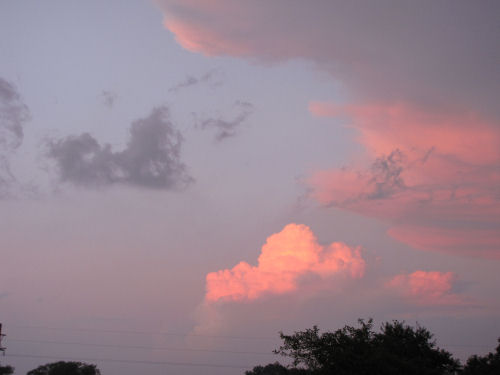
(196,39)
(469,241)
(384,127)
(427,287)
(434,176)
(285,258)
(209,37)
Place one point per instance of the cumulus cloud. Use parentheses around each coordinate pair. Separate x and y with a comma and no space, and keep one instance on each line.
(212,78)
(427,287)
(435,180)
(285,258)
(151,158)
(13,115)
(227,128)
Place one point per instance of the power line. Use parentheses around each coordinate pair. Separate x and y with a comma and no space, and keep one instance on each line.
(132,361)
(140,347)
(178,334)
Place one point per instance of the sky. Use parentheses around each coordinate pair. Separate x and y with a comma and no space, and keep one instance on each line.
(182,180)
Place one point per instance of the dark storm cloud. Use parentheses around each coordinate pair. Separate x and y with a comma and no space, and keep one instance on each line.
(228,128)
(151,158)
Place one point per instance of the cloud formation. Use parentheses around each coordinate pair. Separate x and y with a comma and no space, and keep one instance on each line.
(227,128)
(421,79)
(434,176)
(13,115)
(151,158)
(419,51)
(285,258)
(427,287)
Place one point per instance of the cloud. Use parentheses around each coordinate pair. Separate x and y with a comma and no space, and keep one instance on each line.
(420,84)
(13,115)
(434,176)
(227,128)
(285,258)
(212,78)
(383,127)
(151,158)
(109,98)
(426,52)
(427,287)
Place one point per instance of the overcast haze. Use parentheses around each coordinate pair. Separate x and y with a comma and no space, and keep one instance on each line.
(180,180)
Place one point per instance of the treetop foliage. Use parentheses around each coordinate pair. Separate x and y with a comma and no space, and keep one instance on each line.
(395,349)
(66,368)
(487,365)
(6,370)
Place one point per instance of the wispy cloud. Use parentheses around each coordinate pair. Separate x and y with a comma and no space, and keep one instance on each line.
(227,128)
(151,158)
(212,78)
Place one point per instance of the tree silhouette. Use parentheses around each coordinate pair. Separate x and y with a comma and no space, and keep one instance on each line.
(487,365)
(66,368)
(6,370)
(275,369)
(397,349)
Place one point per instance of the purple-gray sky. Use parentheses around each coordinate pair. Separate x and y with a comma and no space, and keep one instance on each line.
(180,180)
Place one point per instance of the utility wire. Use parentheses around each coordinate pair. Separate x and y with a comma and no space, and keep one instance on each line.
(131,361)
(179,334)
(149,333)
(140,347)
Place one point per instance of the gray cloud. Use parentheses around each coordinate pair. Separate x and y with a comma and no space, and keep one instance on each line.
(109,98)
(212,78)
(151,158)
(13,114)
(227,128)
